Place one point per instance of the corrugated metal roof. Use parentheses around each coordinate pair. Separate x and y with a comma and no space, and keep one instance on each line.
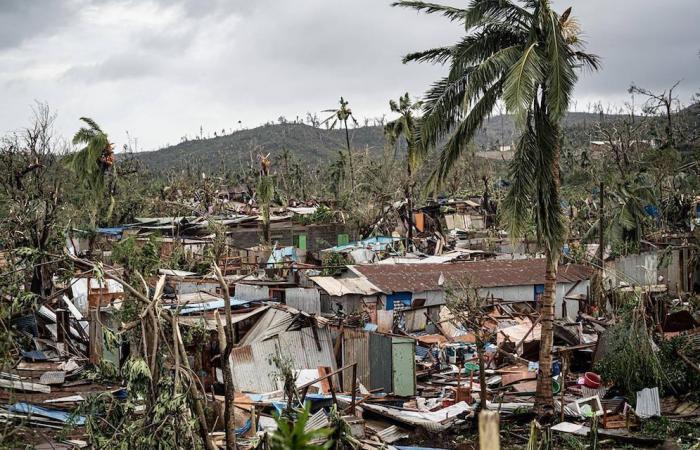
(303,299)
(338,287)
(485,274)
(210,323)
(254,371)
(273,322)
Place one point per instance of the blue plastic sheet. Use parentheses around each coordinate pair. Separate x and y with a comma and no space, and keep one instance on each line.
(61,416)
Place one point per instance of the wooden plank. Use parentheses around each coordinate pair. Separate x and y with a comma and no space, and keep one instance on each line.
(24,386)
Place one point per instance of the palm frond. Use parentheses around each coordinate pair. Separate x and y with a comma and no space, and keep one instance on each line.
(517,205)
(443,109)
(522,81)
(550,220)
(463,134)
(587,61)
(482,12)
(438,55)
(92,124)
(560,77)
(433,8)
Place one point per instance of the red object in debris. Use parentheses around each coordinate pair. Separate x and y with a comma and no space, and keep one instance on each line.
(446,402)
(591,380)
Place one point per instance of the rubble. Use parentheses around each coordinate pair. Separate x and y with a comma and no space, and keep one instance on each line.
(373,344)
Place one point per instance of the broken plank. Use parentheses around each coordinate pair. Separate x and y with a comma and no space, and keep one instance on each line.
(24,386)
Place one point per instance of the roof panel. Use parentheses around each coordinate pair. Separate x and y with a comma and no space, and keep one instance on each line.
(485,274)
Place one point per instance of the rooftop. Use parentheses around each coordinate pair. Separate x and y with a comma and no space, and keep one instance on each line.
(428,277)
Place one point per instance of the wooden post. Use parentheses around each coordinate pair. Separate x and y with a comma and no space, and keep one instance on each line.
(564,368)
(62,328)
(489,437)
(354,388)
(96,336)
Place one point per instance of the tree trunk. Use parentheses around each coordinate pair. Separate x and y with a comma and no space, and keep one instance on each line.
(409,205)
(197,396)
(352,170)
(543,399)
(266,223)
(225,352)
(482,374)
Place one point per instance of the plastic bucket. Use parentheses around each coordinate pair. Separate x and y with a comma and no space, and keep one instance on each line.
(591,380)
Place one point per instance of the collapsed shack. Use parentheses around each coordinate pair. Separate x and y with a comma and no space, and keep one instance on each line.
(375,350)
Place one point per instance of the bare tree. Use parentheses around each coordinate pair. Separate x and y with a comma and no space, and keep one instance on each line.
(469,310)
(664,102)
(31,195)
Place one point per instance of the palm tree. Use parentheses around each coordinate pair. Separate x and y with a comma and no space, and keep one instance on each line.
(527,55)
(341,116)
(406,126)
(92,162)
(624,225)
(265,192)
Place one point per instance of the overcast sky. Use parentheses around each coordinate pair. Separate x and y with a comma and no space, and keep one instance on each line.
(161,68)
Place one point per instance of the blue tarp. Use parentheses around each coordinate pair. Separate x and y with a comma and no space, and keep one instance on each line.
(398,297)
(112,231)
(404,447)
(652,210)
(35,355)
(244,429)
(216,304)
(378,243)
(371,327)
(61,416)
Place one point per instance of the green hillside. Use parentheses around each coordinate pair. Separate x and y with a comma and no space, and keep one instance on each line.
(305,142)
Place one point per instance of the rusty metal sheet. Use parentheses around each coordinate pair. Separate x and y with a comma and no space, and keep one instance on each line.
(380,362)
(356,350)
(495,273)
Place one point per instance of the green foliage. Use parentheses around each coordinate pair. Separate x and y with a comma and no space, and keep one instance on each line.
(630,360)
(130,424)
(144,259)
(323,214)
(86,163)
(195,334)
(332,262)
(679,378)
(406,127)
(292,436)
(686,434)
(92,165)
(104,371)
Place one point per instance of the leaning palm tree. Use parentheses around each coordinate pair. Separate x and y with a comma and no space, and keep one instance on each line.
(341,116)
(525,54)
(406,127)
(92,163)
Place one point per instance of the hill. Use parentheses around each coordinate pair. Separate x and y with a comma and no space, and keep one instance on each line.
(307,143)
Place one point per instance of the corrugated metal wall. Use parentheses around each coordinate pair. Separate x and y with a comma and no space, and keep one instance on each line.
(307,300)
(638,269)
(254,371)
(356,350)
(380,362)
(251,292)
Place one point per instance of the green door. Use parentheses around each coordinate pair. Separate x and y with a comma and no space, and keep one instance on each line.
(403,366)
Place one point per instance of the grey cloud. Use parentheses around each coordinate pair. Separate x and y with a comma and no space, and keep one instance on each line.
(253,60)
(125,66)
(21,20)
